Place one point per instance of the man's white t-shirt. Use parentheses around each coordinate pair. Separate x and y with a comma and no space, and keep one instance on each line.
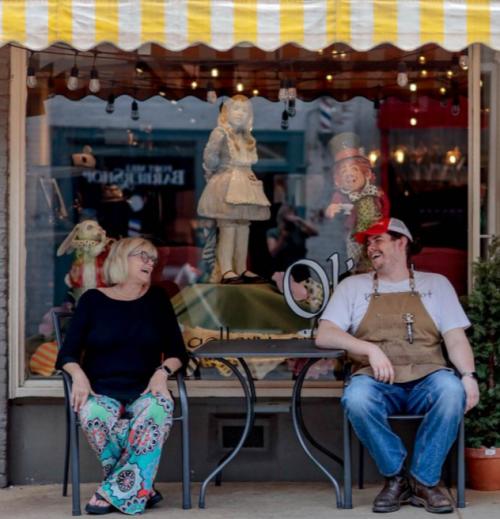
(350,300)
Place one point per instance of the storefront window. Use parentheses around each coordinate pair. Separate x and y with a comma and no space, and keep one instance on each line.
(335,163)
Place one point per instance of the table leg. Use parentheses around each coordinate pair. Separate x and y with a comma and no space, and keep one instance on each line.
(249,391)
(251,386)
(297,389)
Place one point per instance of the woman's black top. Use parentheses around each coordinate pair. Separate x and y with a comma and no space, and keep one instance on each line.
(120,343)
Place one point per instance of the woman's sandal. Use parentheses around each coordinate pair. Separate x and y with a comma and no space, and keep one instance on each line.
(155,498)
(99,510)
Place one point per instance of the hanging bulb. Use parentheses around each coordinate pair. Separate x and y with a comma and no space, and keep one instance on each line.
(140,67)
(455,106)
(422,59)
(73,78)
(402,78)
(214,72)
(162,92)
(211,93)
(255,92)
(291,108)
(283,91)
(194,85)
(134,111)
(413,87)
(95,84)
(110,106)
(31,81)
(284,120)
(292,91)
(463,61)
(240,86)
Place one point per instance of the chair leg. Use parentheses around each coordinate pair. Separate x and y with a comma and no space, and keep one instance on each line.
(461,466)
(186,466)
(361,466)
(75,465)
(66,453)
(347,464)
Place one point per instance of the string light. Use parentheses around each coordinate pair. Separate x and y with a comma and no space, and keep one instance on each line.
(402,78)
(255,92)
(399,155)
(94,85)
(422,59)
(134,111)
(194,85)
(291,108)
(292,90)
(162,92)
(442,90)
(72,83)
(283,91)
(140,67)
(423,72)
(413,87)
(240,86)
(31,81)
(110,106)
(214,72)
(373,157)
(211,93)
(329,77)
(413,121)
(284,120)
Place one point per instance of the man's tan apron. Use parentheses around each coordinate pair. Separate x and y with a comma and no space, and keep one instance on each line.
(384,325)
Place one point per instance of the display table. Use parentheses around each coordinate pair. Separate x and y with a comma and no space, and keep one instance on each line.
(289,348)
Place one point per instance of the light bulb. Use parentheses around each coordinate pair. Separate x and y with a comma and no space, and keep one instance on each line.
(140,67)
(95,84)
(214,72)
(211,94)
(73,79)
(463,61)
(194,85)
(423,72)
(399,155)
(162,92)
(329,77)
(449,73)
(292,91)
(134,111)
(413,121)
(283,91)
(255,92)
(110,106)
(442,90)
(284,120)
(291,108)
(240,87)
(402,78)
(31,80)
(422,59)
(413,87)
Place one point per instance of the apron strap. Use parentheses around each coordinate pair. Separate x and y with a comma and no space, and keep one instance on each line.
(376,292)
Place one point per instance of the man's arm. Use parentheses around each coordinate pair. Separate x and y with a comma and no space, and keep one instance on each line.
(461,356)
(332,336)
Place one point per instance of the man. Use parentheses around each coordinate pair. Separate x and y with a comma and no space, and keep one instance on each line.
(391,322)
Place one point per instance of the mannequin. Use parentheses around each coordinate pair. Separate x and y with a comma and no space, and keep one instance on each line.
(233,195)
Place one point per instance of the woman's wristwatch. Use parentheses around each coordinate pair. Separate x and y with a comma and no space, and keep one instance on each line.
(471,374)
(165,370)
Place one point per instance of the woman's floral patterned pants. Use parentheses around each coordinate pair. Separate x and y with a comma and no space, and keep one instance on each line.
(128,441)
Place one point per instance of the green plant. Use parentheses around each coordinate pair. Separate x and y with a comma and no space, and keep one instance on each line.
(483,422)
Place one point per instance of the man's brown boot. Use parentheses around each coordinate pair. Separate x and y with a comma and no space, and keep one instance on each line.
(396,491)
(431,498)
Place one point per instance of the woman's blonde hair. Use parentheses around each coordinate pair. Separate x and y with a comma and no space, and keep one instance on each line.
(116,264)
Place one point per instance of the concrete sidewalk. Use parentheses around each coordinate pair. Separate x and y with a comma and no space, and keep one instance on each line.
(237,501)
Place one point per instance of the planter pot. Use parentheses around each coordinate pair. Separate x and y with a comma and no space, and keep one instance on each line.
(483,468)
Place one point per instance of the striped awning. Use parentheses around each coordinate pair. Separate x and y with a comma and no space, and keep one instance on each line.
(268,24)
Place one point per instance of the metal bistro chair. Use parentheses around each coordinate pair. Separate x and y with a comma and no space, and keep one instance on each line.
(460,457)
(72,425)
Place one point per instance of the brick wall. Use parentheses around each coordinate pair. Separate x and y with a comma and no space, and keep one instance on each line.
(4,123)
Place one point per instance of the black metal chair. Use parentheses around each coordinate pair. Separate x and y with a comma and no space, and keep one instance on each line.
(72,425)
(460,457)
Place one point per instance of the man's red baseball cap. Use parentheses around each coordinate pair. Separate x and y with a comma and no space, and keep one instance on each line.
(382,226)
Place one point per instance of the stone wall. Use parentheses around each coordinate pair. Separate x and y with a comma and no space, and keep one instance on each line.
(4,123)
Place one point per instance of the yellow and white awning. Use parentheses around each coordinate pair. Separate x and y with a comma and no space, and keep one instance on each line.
(268,24)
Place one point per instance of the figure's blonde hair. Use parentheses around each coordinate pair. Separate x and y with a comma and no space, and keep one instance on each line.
(116,264)
(224,122)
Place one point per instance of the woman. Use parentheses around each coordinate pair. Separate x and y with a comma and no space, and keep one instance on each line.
(122,345)
(233,195)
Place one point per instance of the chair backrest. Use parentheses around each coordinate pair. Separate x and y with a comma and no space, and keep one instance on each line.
(59,318)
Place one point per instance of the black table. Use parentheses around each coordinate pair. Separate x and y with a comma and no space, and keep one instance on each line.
(288,348)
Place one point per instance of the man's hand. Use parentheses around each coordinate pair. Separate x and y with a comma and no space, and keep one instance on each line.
(471,392)
(381,365)
(80,391)
(158,385)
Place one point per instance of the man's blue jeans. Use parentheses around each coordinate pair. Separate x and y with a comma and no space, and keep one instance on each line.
(440,397)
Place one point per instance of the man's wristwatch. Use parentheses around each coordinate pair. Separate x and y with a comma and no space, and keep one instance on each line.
(165,369)
(471,374)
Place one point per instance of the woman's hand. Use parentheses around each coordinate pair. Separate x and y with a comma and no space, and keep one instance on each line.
(80,391)
(158,384)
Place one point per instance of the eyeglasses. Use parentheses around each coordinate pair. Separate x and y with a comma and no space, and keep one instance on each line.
(145,257)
